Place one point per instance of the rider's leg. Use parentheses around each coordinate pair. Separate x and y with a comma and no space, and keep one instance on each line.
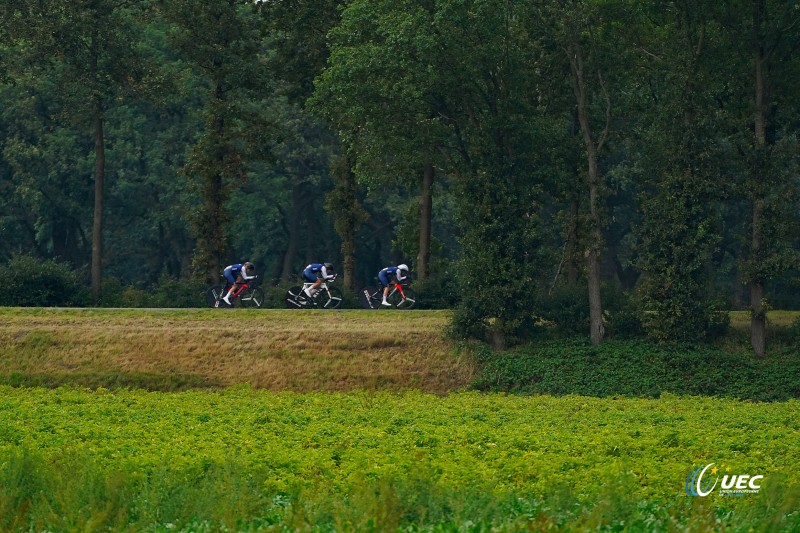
(312,290)
(227,297)
(385,294)
(385,282)
(234,288)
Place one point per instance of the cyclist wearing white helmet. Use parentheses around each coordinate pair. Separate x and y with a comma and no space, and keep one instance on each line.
(315,273)
(388,275)
(235,274)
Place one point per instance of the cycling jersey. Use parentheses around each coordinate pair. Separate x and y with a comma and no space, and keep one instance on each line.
(316,271)
(232,271)
(386,275)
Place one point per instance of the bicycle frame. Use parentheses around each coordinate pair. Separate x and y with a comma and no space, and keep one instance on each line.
(248,293)
(243,286)
(323,286)
(396,287)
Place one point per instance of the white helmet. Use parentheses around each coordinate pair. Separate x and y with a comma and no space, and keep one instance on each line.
(402,267)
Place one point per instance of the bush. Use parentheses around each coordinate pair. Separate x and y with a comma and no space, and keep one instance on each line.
(175,292)
(436,292)
(32,282)
(167,292)
(567,308)
(639,368)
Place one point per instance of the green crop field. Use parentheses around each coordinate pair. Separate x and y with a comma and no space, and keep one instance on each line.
(358,453)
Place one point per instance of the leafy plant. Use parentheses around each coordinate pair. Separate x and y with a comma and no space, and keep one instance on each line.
(32,282)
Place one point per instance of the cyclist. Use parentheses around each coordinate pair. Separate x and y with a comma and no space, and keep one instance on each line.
(315,273)
(236,274)
(388,275)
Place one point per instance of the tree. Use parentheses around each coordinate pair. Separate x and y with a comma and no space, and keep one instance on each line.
(583,32)
(89,48)
(680,172)
(775,31)
(379,93)
(224,42)
(348,214)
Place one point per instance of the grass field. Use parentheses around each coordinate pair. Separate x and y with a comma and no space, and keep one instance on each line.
(274,349)
(358,421)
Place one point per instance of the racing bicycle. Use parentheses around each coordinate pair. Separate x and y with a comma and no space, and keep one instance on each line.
(326,297)
(248,295)
(400,297)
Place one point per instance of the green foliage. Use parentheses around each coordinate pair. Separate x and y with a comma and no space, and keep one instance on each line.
(481,90)
(638,368)
(168,291)
(439,291)
(677,238)
(245,460)
(32,282)
(567,308)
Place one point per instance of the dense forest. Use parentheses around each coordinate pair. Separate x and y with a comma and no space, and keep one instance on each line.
(628,157)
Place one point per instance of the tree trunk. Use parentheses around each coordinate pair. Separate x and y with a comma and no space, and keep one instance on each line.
(347,213)
(758,319)
(312,243)
(99,193)
(348,236)
(573,271)
(216,242)
(425,216)
(294,231)
(593,181)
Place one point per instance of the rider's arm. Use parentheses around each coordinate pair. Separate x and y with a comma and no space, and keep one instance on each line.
(400,276)
(243,272)
(324,272)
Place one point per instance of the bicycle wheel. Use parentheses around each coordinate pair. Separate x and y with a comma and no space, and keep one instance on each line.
(292,298)
(330,299)
(364,297)
(398,302)
(252,297)
(367,299)
(214,295)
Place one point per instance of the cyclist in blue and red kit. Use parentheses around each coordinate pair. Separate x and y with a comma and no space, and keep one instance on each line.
(316,273)
(388,276)
(236,274)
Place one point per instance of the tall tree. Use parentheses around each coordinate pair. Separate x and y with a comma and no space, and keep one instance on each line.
(224,41)
(90,49)
(775,30)
(582,31)
(348,214)
(379,92)
(678,169)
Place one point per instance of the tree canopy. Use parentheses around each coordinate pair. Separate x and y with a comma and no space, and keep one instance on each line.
(626,153)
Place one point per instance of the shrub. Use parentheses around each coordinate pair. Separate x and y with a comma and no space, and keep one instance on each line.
(167,292)
(32,282)
(567,308)
(639,368)
(175,292)
(437,292)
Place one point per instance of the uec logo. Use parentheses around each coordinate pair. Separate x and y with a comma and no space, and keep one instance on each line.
(731,485)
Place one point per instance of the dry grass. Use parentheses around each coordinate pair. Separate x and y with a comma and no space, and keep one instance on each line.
(740,320)
(277,350)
